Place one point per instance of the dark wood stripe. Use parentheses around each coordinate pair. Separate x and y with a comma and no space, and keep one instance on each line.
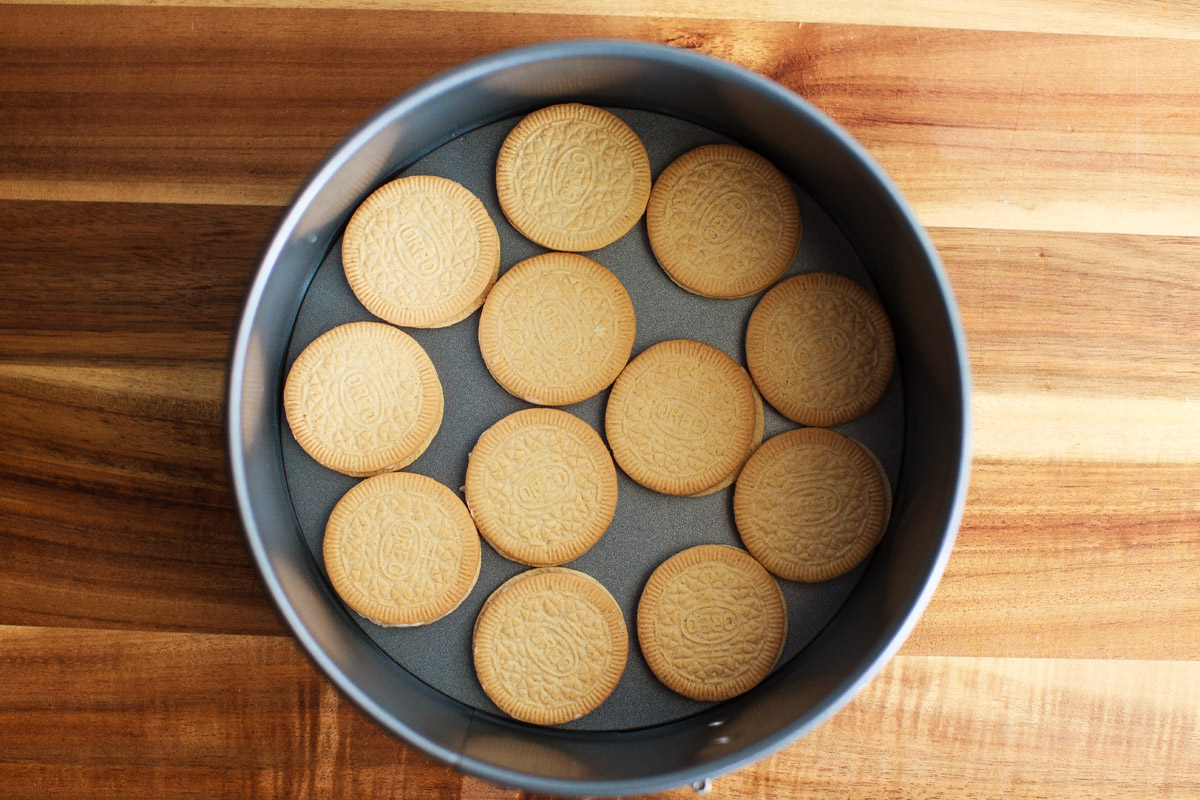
(111,714)
(103,283)
(133,715)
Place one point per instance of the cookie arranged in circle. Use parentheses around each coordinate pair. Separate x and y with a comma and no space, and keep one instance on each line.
(572,177)
(550,645)
(711,622)
(541,487)
(820,349)
(556,329)
(723,221)
(681,417)
(421,252)
(363,398)
(401,549)
(810,504)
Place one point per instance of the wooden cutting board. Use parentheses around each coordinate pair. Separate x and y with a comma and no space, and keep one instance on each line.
(1053,149)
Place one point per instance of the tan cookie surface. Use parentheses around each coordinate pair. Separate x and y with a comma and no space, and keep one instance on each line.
(550,645)
(760,422)
(723,221)
(556,329)
(363,398)
(421,252)
(572,177)
(401,549)
(711,622)
(681,417)
(541,486)
(820,349)
(811,504)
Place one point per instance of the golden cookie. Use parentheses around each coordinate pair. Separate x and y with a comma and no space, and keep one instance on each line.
(572,177)
(363,398)
(723,222)
(711,622)
(820,349)
(401,549)
(810,504)
(760,422)
(556,329)
(887,486)
(541,487)
(550,645)
(681,417)
(421,252)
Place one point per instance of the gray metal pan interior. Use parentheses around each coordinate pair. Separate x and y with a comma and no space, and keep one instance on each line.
(648,527)
(896,584)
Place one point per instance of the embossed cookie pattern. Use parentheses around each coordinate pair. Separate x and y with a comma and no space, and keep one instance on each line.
(711,622)
(401,549)
(820,349)
(550,646)
(363,398)
(681,417)
(556,329)
(572,177)
(541,486)
(810,504)
(421,251)
(723,222)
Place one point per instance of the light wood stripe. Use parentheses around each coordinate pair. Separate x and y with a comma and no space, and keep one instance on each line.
(1014,131)
(947,727)
(1059,559)
(1143,215)
(1077,314)
(1179,20)
(160,192)
(1054,427)
(197,391)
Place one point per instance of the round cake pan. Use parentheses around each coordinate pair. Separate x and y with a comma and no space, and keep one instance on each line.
(894,587)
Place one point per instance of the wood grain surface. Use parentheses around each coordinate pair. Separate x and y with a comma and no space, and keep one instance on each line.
(146,149)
